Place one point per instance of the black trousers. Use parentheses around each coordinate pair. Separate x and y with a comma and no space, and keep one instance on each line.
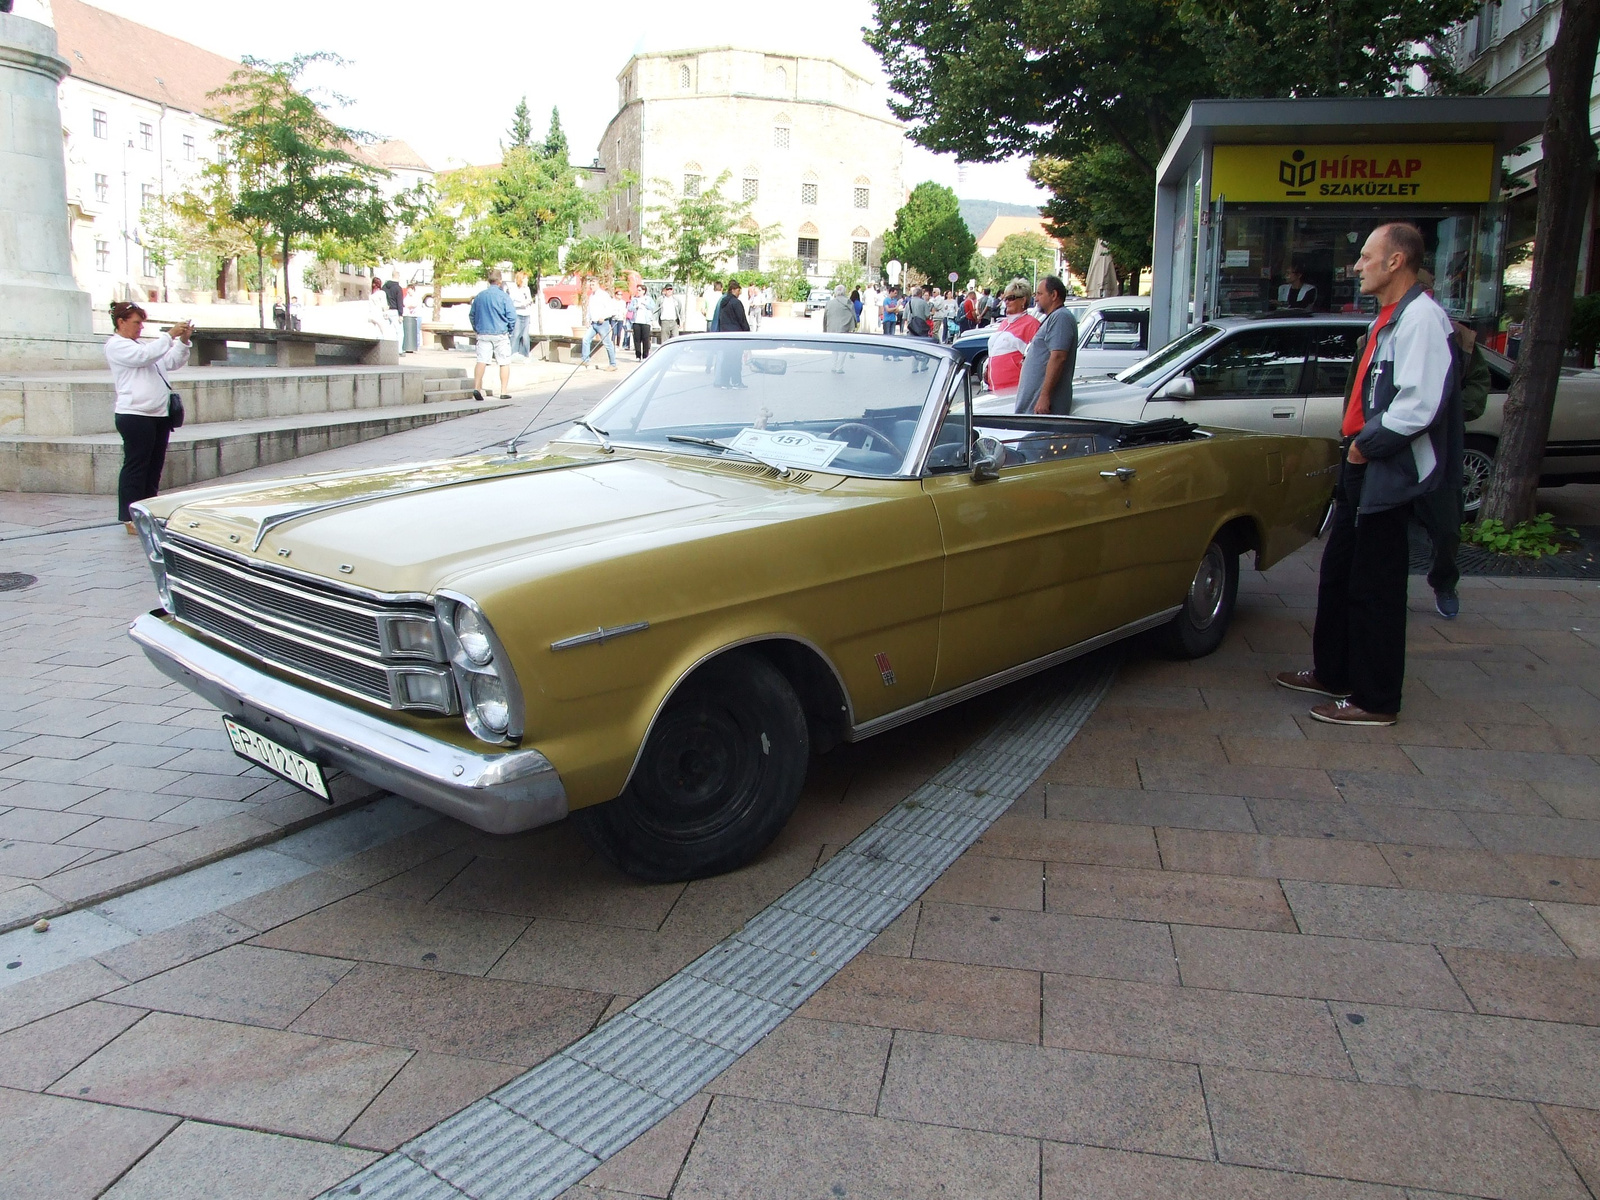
(144,453)
(641,339)
(1439,512)
(1359,642)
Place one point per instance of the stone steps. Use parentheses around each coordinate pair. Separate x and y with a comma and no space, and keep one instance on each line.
(89,464)
(70,404)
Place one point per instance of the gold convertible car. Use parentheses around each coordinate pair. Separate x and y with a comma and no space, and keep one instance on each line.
(755,548)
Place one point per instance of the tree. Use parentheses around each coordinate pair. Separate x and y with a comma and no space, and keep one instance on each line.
(694,237)
(299,179)
(535,204)
(555,141)
(1023,256)
(929,235)
(521,130)
(1566,175)
(447,230)
(1100,85)
(199,221)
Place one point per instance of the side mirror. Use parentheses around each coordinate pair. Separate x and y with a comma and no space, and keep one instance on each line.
(988,456)
(1181,388)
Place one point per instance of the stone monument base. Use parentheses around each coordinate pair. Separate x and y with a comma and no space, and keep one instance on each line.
(51,352)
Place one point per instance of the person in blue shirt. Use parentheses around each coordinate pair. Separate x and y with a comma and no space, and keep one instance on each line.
(494,320)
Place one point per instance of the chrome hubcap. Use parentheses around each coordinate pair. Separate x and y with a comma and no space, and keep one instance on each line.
(1209,587)
(1476,467)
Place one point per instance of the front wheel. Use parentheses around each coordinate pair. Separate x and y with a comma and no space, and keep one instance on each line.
(555,302)
(1477,465)
(719,775)
(1202,622)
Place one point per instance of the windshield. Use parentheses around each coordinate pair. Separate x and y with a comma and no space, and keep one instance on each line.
(1149,368)
(845,407)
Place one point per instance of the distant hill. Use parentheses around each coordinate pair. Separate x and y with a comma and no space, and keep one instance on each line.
(979,213)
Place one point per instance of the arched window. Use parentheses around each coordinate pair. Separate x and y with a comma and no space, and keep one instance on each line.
(684,78)
(692,178)
(780,78)
(863,192)
(780,132)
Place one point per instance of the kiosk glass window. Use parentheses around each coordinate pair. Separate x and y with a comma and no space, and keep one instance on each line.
(1262,247)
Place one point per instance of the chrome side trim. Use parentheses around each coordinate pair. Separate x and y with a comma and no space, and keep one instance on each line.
(502,792)
(977,687)
(601,635)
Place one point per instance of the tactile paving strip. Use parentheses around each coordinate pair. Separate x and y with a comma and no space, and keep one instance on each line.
(547,1129)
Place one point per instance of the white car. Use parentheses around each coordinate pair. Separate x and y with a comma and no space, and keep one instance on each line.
(1278,373)
(1113,333)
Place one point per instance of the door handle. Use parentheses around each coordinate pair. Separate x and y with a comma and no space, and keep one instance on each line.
(1283,412)
(1122,473)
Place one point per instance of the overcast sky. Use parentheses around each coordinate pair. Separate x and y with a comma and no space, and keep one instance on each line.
(445,77)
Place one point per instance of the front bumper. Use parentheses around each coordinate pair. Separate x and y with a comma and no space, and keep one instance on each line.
(503,792)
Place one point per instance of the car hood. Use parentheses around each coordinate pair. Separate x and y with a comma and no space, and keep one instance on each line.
(414,528)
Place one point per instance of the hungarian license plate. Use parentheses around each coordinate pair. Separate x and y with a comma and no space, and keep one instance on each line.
(280,760)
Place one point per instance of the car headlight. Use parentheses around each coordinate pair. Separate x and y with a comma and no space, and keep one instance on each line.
(491,701)
(150,539)
(473,634)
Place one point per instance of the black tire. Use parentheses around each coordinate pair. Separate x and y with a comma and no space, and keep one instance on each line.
(1477,465)
(1208,605)
(718,777)
(555,302)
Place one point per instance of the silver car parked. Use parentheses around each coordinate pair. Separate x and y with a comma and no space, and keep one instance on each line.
(1288,374)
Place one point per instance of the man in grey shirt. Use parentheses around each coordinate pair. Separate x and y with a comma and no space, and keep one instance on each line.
(1046,383)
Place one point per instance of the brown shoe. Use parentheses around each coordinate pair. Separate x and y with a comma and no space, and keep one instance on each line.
(1306,681)
(1342,712)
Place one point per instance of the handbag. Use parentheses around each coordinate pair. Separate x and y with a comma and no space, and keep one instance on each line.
(174,403)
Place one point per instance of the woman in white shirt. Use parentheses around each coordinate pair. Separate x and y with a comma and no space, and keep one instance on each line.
(139,377)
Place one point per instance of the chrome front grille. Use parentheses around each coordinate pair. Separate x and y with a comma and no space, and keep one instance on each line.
(337,638)
(295,603)
(349,675)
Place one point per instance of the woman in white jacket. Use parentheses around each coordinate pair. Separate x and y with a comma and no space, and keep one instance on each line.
(139,377)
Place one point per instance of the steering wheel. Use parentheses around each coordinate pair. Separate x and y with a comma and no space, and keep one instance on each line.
(859,427)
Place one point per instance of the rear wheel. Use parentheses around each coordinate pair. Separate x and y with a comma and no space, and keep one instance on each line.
(1202,622)
(717,779)
(1477,465)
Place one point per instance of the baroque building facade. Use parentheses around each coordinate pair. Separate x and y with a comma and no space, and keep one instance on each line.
(808,141)
(134,134)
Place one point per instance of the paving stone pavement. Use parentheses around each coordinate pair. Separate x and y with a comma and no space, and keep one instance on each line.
(112,775)
(1217,950)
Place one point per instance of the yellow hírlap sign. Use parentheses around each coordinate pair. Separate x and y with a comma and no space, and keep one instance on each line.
(1412,173)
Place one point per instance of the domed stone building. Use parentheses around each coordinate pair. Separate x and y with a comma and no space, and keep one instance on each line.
(808,139)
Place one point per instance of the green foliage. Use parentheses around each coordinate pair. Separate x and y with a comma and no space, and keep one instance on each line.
(606,257)
(320,275)
(1101,194)
(1102,84)
(447,229)
(555,140)
(535,203)
(852,274)
(1530,539)
(929,235)
(693,238)
(1023,256)
(1585,335)
(521,131)
(297,177)
(789,280)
